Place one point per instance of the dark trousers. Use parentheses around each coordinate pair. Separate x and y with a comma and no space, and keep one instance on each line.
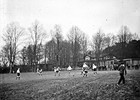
(121,79)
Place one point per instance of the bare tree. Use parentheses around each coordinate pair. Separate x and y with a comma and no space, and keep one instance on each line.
(107,41)
(98,44)
(74,39)
(3,56)
(11,38)
(135,36)
(40,53)
(58,38)
(30,55)
(23,55)
(113,39)
(124,37)
(50,51)
(65,53)
(83,44)
(37,34)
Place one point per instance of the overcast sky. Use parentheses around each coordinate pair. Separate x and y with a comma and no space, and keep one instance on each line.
(88,15)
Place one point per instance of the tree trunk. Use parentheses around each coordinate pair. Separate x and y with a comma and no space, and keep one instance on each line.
(10,69)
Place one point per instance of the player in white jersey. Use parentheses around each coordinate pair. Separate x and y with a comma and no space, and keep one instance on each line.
(85,69)
(94,68)
(57,70)
(18,74)
(40,72)
(69,69)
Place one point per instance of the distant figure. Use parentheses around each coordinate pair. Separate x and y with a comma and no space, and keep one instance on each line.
(122,70)
(40,72)
(94,68)
(57,70)
(18,74)
(84,70)
(112,67)
(54,69)
(37,70)
(69,69)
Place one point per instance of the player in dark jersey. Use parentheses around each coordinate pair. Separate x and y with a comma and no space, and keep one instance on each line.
(122,71)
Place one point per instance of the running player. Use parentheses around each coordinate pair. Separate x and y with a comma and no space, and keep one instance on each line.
(37,70)
(18,74)
(57,70)
(94,68)
(40,72)
(85,69)
(122,70)
(69,69)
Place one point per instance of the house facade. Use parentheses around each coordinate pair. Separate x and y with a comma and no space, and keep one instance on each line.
(108,62)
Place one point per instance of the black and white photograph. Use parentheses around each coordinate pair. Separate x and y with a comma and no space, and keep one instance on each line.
(69,49)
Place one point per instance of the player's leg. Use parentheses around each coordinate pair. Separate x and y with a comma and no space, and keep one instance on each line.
(18,75)
(120,79)
(59,73)
(56,72)
(123,79)
(81,72)
(96,70)
(86,73)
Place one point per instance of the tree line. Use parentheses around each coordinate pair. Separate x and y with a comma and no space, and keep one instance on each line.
(60,51)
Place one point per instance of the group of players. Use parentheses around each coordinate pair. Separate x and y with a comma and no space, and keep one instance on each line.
(57,70)
(84,70)
(39,71)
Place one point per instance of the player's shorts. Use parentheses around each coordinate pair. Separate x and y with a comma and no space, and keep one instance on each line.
(57,71)
(94,69)
(18,74)
(86,71)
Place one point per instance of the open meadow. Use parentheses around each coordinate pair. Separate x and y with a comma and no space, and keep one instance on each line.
(100,86)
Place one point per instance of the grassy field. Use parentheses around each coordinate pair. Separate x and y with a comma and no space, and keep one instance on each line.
(100,86)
